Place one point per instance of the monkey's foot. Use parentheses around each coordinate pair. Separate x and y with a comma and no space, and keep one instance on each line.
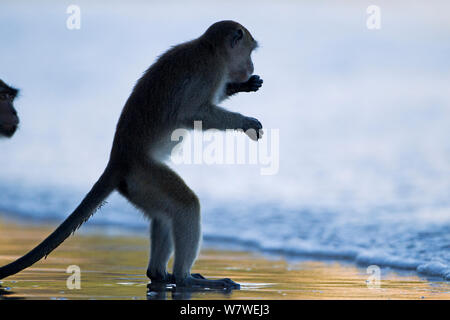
(167,283)
(202,282)
(168,278)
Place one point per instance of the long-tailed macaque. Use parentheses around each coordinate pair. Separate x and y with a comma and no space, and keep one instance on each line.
(184,85)
(9,120)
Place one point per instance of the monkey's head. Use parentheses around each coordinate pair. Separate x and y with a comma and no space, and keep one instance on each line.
(9,120)
(237,44)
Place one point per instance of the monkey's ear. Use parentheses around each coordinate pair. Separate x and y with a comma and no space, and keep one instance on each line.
(237,36)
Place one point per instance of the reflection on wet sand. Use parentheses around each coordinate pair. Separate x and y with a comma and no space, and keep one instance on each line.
(7,294)
(115,267)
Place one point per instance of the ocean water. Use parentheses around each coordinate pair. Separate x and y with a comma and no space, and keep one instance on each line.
(363,118)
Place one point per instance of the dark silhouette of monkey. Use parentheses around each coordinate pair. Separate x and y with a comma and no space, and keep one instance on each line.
(9,120)
(184,85)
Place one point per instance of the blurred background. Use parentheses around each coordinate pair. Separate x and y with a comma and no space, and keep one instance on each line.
(363,116)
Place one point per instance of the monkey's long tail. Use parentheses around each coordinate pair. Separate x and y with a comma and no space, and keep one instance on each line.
(99,192)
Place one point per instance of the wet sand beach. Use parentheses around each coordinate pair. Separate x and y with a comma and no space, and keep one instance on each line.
(113,267)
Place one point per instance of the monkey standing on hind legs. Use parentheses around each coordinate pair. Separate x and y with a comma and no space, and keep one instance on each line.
(9,120)
(184,85)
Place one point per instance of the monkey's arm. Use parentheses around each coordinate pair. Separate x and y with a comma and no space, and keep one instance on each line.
(215,117)
(253,84)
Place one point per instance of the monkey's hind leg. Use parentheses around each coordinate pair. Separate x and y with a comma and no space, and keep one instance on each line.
(161,248)
(173,206)
(139,191)
(186,228)
(187,236)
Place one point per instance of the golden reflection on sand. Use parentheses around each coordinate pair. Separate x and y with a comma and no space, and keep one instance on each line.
(114,268)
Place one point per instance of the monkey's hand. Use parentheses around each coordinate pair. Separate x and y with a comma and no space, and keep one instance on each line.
(253,84)
(253,128)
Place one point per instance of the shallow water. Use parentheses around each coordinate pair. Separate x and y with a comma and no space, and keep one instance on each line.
(363,116)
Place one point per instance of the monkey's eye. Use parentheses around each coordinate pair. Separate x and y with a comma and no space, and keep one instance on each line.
(4,96)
